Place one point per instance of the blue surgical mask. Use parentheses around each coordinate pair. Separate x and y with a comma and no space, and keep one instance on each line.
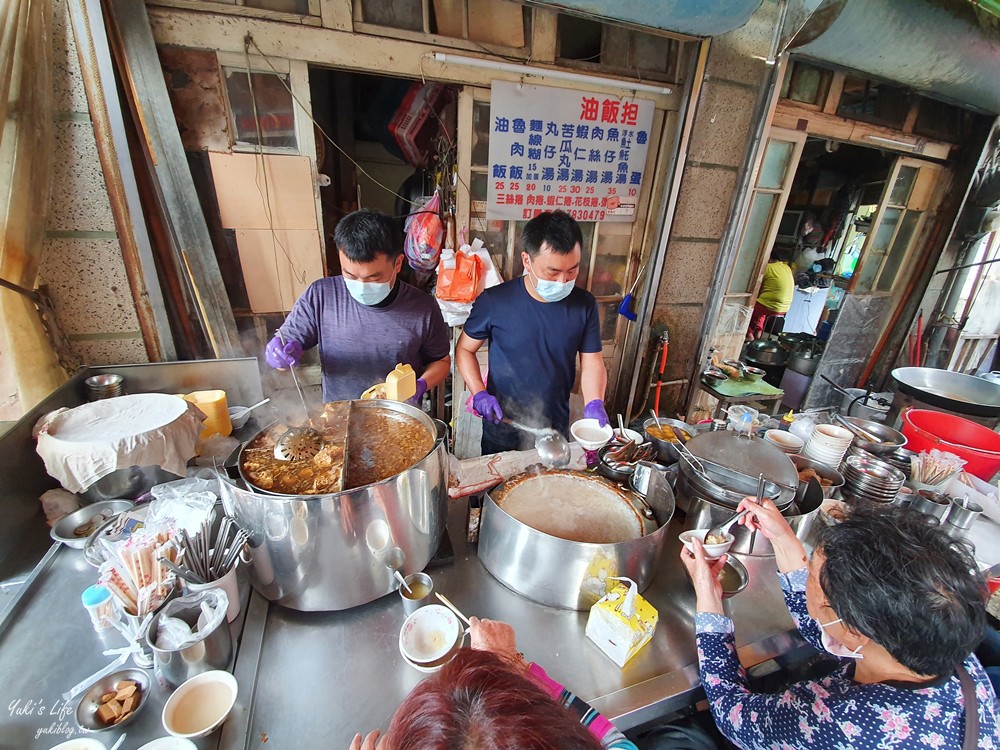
(369,292)
(835,647)
(551,291)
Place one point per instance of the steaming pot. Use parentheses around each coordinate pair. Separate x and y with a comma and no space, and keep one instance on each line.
(567,574)
(337,551)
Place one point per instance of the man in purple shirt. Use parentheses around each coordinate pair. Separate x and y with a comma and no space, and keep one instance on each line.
(366,321)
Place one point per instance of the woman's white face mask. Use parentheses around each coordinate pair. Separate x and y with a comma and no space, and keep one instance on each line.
(835,647)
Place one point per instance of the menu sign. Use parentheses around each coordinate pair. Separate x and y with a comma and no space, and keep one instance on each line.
(577,152)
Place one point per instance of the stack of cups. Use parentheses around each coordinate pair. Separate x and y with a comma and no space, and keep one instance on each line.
(867,479)
(828,444)
(104,386)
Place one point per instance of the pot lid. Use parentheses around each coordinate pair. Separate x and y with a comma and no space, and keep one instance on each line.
(747,456)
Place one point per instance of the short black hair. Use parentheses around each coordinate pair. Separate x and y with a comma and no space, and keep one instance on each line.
(782,254)
(894,575)
(361,235)
(557,228)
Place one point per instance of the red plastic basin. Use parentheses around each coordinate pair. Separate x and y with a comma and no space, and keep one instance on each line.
(978,445)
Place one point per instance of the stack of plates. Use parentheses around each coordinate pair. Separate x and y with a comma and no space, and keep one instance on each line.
(869,479)
(900,459)
(828,444)
(104,386)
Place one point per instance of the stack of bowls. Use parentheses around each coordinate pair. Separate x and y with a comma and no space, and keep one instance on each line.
(786,442)
(828,444)
(869,479)
(900,459)
(104,386)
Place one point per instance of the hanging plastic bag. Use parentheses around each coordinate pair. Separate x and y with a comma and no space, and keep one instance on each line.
(459,275)
(424,235)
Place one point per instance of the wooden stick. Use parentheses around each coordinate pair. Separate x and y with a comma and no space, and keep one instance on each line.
(201,305)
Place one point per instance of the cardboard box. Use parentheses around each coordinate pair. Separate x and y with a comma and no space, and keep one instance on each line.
(622,622)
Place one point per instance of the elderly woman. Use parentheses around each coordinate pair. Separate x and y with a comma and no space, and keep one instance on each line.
(892,595)
(488,698)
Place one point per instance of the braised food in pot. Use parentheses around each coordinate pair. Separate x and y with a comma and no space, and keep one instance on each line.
(379,443)
(809,473)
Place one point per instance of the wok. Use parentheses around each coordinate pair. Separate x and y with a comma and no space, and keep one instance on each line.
(964,394)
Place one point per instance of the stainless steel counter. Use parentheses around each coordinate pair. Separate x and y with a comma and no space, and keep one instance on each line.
(317,678)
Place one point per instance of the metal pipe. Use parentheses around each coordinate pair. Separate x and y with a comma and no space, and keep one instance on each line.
(968,265)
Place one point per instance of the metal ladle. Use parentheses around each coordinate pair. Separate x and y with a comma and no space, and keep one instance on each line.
(298,443)
(553,450)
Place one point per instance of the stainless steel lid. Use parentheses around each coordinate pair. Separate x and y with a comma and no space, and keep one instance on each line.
(749,457)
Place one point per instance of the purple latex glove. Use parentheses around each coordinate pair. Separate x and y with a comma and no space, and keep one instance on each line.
(595,410)
(421,390)
(487,407)
(281,357)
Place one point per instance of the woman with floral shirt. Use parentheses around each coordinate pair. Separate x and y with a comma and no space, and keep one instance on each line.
(899,601)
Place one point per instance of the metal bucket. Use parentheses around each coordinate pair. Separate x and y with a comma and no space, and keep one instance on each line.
(212,650)
(566,574)
(336,551)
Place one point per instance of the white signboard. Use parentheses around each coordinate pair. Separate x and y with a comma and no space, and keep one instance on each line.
(574,151)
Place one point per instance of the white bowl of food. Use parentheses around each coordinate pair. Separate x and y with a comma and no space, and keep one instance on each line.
(590,434)
(169,743)
(715,546)
(200,705)
(428,634)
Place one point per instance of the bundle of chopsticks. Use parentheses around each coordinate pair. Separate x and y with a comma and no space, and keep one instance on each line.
(208,558)
(935,467)
(135,574)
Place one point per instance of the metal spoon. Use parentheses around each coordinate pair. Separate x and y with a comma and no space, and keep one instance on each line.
(187,575)
(298,443)
(656,419)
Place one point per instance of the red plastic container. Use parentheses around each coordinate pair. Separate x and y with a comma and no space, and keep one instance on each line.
(978,445)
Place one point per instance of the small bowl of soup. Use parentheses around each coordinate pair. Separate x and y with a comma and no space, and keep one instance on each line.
(200,706)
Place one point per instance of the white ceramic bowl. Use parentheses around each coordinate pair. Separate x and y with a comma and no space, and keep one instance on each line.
(832,435)
(428,634)
(80,743)
(712,551)
(170,743)
(590,434)
(786,441)
(433,666)
(200,705)
(624,437)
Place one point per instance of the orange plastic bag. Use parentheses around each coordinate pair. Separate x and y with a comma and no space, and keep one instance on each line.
(459,277)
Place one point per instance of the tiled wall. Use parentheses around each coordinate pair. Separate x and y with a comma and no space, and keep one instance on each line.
(82,261)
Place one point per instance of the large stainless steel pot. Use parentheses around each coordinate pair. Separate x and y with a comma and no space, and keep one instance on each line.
(566,574)
(332,552)
(765,352)
(804,363)
(710,501)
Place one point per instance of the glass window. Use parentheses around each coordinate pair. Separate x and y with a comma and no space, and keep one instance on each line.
(608,314)
(939,120)
(480,134)
(301,7)
(806,83)
(897,253)
(610,264)
(396,14)
(877,248)
(775,165)
(873,101)
(753,238)
(274,108)
(902,187)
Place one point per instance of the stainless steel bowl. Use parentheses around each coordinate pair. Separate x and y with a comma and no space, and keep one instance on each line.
(86,709)
(889,439)
(63,529)
(734,567)
(131,482)
(665,450)
(824,470)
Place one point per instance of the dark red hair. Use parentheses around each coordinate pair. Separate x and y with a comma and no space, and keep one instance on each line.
(478,702)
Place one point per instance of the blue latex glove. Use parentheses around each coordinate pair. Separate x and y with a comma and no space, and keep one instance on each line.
(595,410)
(281,357)
(421,390)
(487,407)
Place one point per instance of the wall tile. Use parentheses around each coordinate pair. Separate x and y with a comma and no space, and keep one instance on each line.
(79,198)
(87,281)
(111,351)
(723,123)
(703,206)
(687,273)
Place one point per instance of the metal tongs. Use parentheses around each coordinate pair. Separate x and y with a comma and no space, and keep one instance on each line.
(298,443)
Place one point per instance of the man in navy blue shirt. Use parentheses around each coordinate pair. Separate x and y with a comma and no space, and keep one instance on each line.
(537,326)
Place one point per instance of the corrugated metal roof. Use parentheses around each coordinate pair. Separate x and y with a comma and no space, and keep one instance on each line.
(692,17)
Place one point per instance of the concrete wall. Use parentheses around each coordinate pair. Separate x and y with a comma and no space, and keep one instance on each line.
(722,129)
(82,260)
